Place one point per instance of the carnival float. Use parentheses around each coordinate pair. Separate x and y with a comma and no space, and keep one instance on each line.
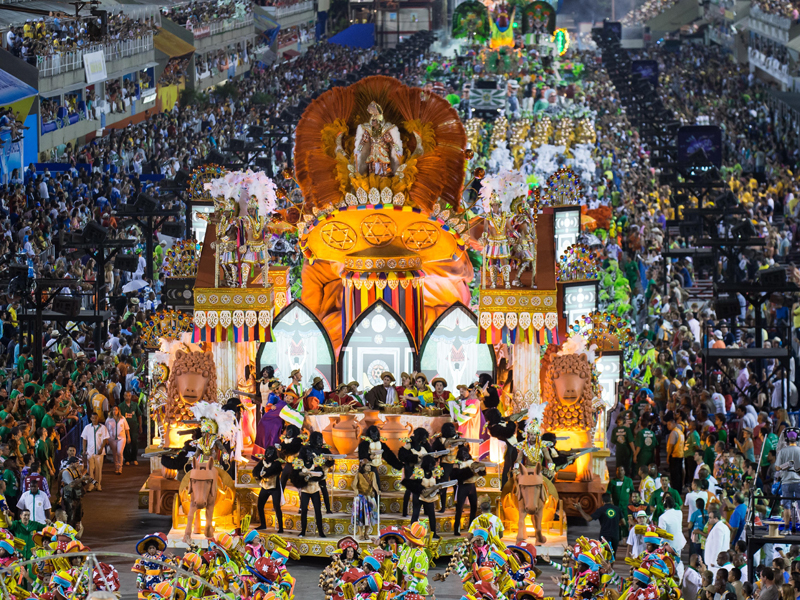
(387,388)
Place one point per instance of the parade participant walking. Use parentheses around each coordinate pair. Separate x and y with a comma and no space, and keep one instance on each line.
(94,439)
(118,437)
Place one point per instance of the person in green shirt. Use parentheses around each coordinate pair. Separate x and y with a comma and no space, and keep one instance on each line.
(622,438)
(621,489)
(769,441)
(24,529)
(42,453)
(644,444)
(657,498)
(23,356)
(38,410)
(11,477)
(722,433)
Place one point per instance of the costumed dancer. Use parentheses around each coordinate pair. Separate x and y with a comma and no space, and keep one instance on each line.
(373,448)
(306,477)
(267,472)
(294,390)
(344,557)
(406,388)
(271,422)
(423,487)
(441,396)
(410,454)
(12,575)
(467,472)
(149,573)
(365,503)
(448,439)
(414,560)
(420,396)
(318,447)
(463,410)
(254,545)
(340,397)
(357,398)
(292,442)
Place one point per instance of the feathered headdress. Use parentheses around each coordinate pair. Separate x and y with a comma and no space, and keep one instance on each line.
(504,187)
(225,420)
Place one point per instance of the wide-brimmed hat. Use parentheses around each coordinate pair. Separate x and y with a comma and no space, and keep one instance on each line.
(422,375)
(347,542)
(406,375)
(387,374)
(415,534)
(316,380)
(274,385)
(353,383)
(158,538)
(393,531)
(47,533)
(295,372)
(439,379)
(342,385)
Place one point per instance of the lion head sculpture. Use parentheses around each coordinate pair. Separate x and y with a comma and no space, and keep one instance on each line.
(193,378)
(566,382)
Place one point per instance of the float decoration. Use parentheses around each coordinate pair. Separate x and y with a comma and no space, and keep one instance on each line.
(538,17)
(181,259)
(563,188)
(578,263)
(167,325)
(471,20)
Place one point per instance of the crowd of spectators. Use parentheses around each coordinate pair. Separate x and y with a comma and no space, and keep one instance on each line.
(204,12)
(648,9)
(784,8)
(40,38)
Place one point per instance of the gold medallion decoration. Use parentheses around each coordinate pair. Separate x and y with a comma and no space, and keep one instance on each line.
(378,230)
(181,260)
(419,236)
(167,324)
(338,235)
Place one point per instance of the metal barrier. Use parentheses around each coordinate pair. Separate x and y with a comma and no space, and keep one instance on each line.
(72,60)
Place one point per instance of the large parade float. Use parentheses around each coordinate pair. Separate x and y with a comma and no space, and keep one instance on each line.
(389,215)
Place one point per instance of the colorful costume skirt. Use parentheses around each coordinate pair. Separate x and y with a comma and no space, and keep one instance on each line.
(365,511)
(497,249)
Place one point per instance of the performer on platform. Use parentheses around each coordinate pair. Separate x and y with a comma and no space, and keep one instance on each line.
(267,472)
(467,472)
(358,399)
(290,446)
(294,390)
(365,500)
(423,487)
(441,396)
(318,448)
(421,396)
(271,423)
(373,449)
(340,396)
(306,477)
(406,388)
(448,439)
(315,397)
(463,410)
(410,455)
(383,395)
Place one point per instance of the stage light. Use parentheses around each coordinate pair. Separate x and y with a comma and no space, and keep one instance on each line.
(145,203)
(173,229)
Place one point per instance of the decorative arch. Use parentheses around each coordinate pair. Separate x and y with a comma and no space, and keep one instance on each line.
(451,349)
(299,342)
(378,341)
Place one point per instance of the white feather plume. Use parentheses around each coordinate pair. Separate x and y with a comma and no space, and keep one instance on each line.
(507,185)
(225,420)
(536,411)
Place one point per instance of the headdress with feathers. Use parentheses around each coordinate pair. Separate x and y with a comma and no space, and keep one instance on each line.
(225,420)
(507,185)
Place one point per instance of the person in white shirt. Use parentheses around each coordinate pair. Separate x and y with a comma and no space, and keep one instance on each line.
(672,521)
(692,580)
(35,502)
(95,439)
(635,540)
(719,403)
(119,434)
(718,540)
